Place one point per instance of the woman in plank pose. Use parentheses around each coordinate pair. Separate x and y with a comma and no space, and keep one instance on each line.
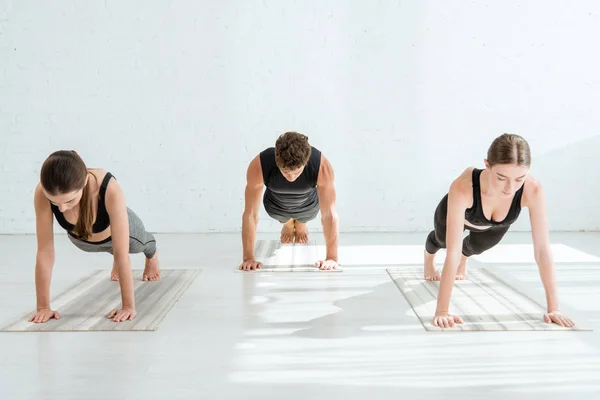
(487,202)
(90,205)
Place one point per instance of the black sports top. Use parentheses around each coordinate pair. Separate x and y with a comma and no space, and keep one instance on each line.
(102,219)
(475,214)
(287,195)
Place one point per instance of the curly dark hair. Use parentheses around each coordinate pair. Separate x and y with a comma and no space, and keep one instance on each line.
(292,151)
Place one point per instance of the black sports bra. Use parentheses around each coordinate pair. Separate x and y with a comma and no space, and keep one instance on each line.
(102,219)
(475,214)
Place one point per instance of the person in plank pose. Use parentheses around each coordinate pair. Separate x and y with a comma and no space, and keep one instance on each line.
(486,203)
(90,205)
(299,183)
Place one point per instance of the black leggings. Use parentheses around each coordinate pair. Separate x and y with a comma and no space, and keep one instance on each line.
(476,242)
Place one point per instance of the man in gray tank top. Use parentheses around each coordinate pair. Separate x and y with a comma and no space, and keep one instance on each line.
(299,183)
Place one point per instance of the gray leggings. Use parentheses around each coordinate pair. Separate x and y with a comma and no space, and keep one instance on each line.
(301,214)
(140,241)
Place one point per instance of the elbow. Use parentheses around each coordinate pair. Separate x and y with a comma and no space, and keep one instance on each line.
(250,216)
(121,258)
(328,212)
(329,216)
(45,259)
(543,256)
(453,257)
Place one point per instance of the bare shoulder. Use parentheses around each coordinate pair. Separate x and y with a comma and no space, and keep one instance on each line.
(532,185)
(532,191)
(39,190)
(463,184)
(460,193)
(39,198)
(254,173)
(98,175)
(114,195)
(113,187)
(326,173)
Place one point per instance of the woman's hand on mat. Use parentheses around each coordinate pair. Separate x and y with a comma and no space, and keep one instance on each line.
(559,319)
(123,314)
(443,320)
(327,264)
(44,315)
(250,265)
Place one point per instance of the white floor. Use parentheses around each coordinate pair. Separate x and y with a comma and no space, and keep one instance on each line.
(344,335)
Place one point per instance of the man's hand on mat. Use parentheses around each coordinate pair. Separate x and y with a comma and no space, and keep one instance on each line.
(327,264)
(446,321)
(250,265)
(558,319)
(44,315)
(122,315)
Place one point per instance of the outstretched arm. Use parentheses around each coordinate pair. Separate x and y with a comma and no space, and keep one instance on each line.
(457,204)
(252,195)
(119,229)
(536,203)
(44,260)
(329,218)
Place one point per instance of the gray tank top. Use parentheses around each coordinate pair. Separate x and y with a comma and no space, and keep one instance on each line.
(290,196)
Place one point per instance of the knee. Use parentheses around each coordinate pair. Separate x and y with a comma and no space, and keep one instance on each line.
(432,244)
(472,249)
(150,249)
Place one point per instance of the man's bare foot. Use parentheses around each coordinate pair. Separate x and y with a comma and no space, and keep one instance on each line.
(461,272)
(114,276)
(430,273)
(287,232)
(300,232)
(151,269)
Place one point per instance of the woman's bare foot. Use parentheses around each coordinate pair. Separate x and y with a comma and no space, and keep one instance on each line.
(430,273)
(461,272)
(287,232)
(300,232)
(151,269)
(114,276)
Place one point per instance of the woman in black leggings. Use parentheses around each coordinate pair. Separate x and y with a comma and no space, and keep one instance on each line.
(487,202)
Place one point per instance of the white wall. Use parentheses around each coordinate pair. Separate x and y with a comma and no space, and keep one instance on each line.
(176,97)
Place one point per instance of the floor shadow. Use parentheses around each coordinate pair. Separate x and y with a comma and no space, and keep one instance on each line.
(382,309)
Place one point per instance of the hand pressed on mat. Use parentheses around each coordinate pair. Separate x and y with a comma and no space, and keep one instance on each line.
(558,318)
(43,315)
(250,265)
(443,320)
(123,314)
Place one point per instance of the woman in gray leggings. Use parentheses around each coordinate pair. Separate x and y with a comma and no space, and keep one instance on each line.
(90,205)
